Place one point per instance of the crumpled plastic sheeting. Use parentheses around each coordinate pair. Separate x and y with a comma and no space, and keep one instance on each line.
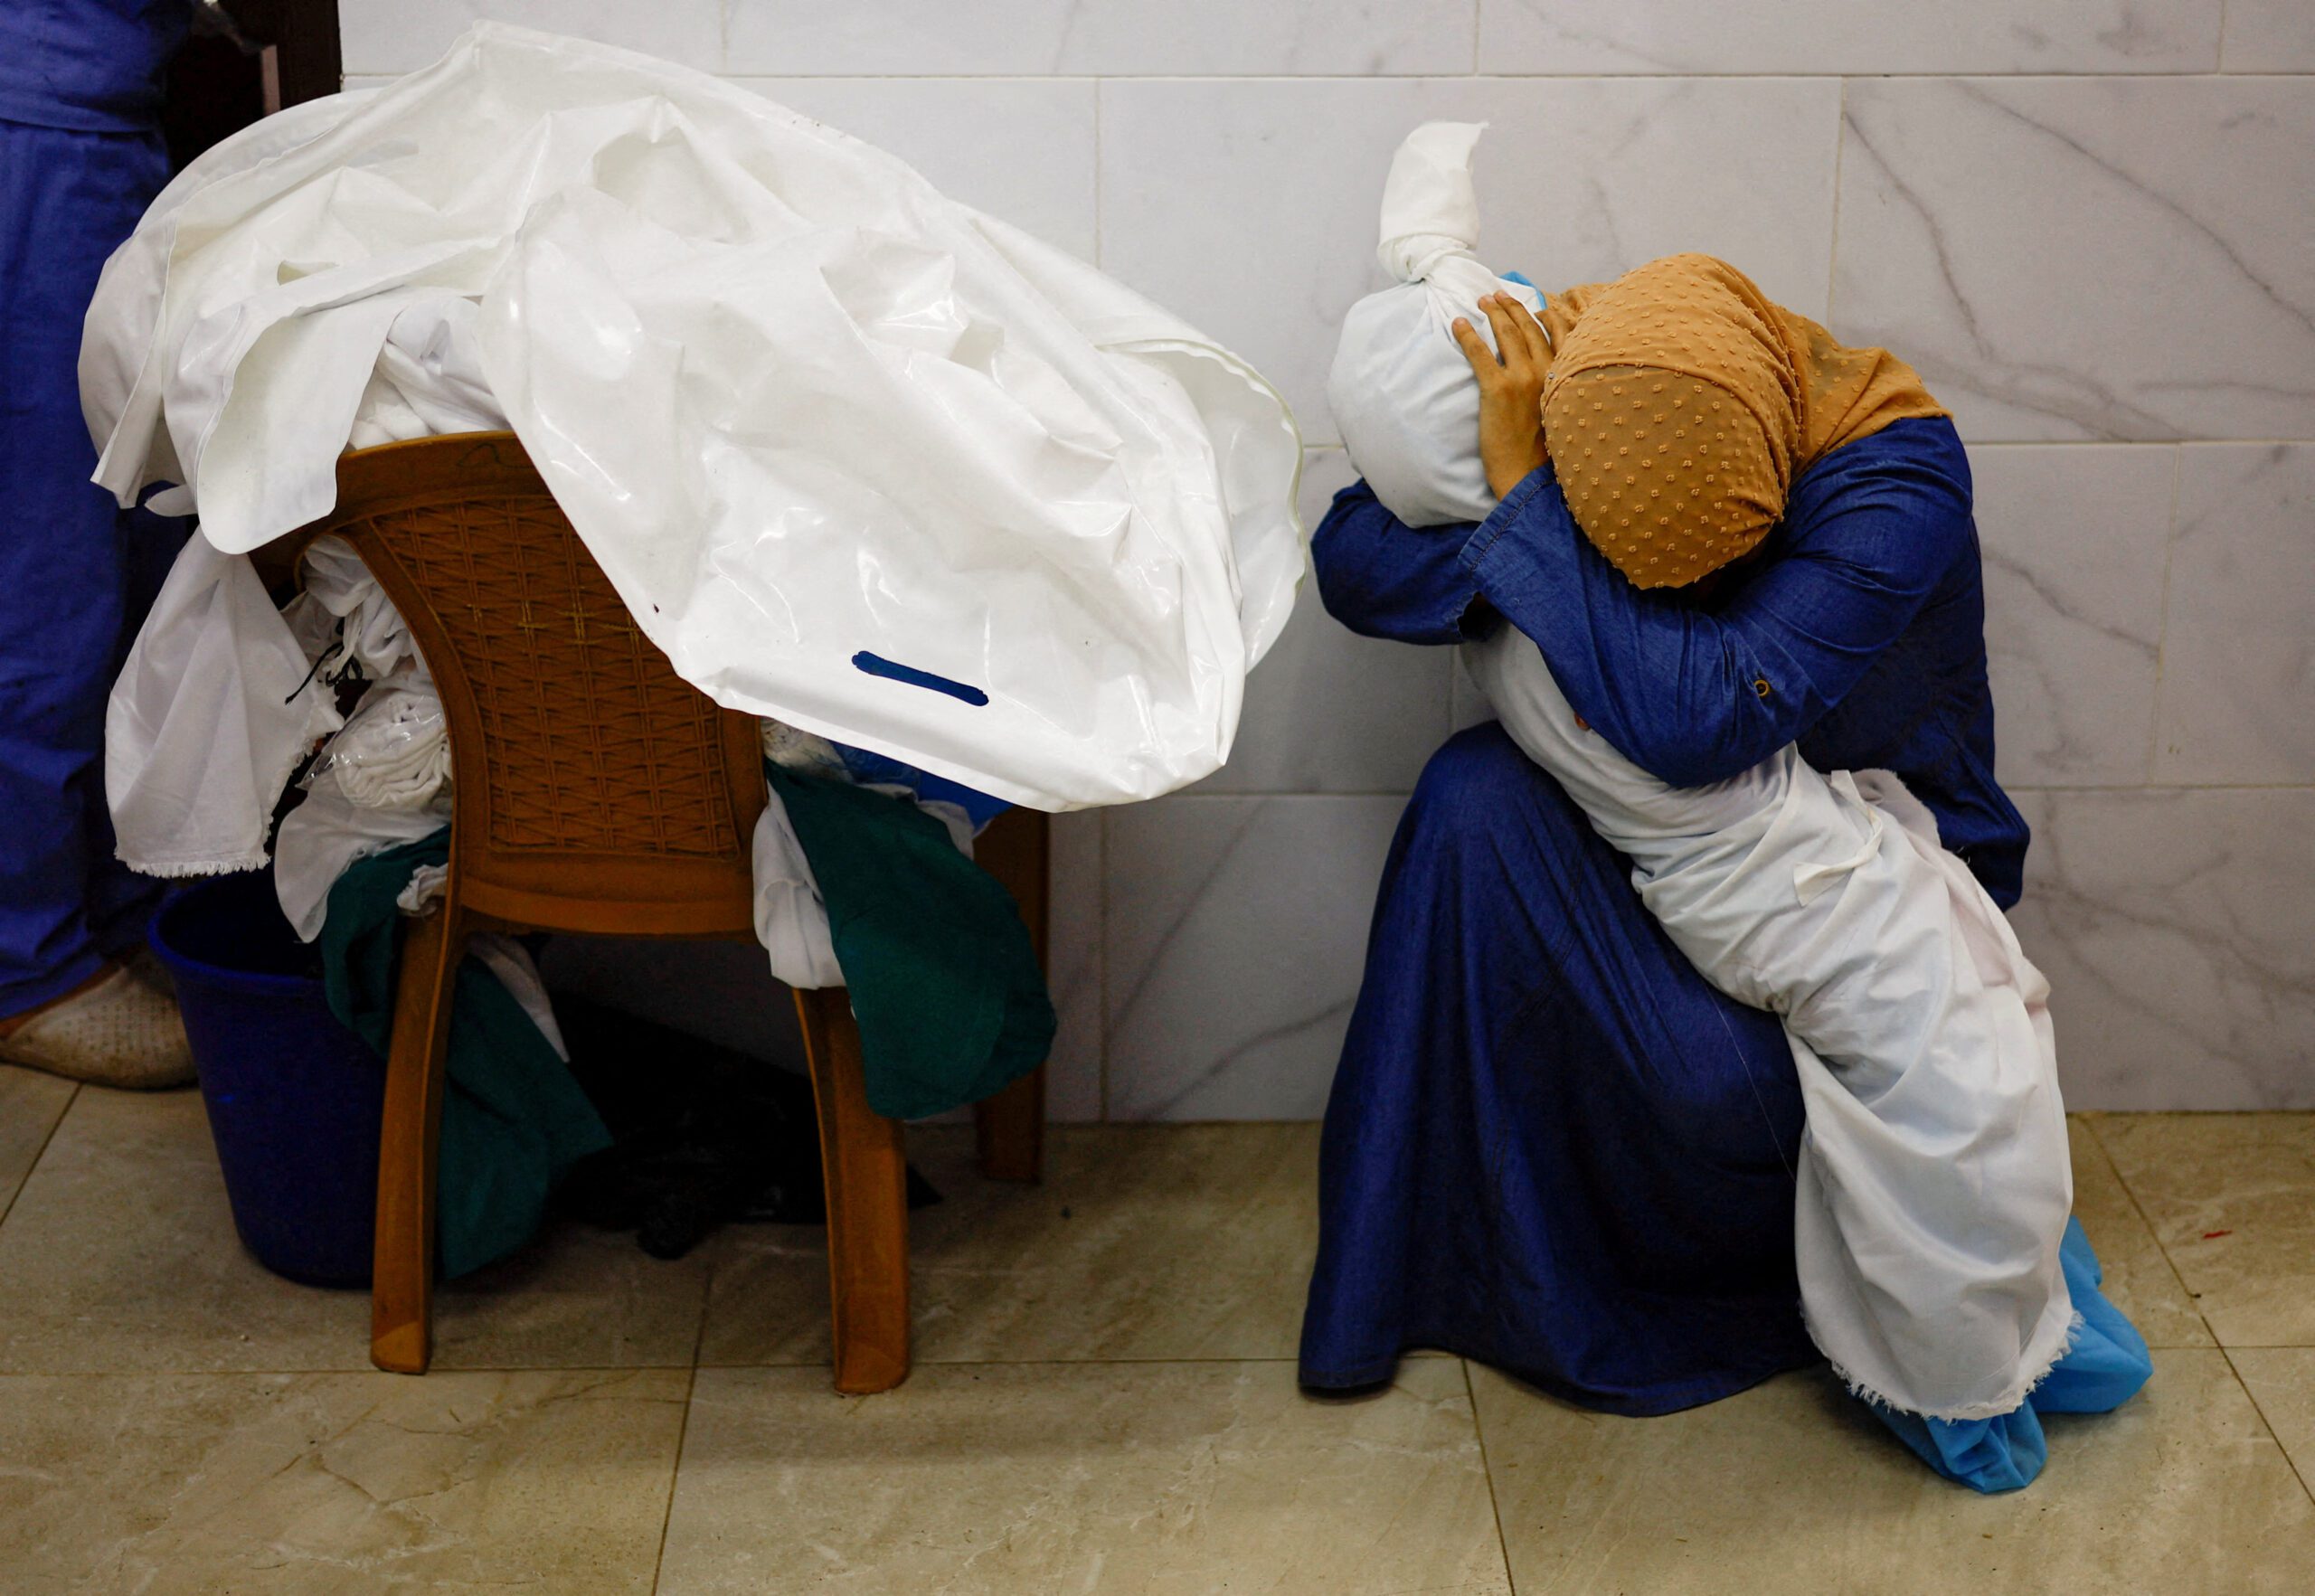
(856,457)
(394,750)
(1401,389)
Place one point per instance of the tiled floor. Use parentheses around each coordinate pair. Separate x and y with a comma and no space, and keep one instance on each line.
(1105,1401)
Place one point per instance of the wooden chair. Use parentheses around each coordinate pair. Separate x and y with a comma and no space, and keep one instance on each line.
(595,792)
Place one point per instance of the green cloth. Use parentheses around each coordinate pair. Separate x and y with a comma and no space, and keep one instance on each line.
(942,976)
(513,1118)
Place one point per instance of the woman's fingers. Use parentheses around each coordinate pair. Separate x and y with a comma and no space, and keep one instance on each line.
(1521,349)
(1538,342)
(1510,341)
(1475,350)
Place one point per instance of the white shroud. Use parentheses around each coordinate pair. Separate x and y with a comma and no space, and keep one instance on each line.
(1934,1179)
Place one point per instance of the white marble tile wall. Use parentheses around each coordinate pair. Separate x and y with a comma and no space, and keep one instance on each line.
(2268,36)
(1675,37)
(2091,223)
(2074,643)
(2177,929)
(2237,703)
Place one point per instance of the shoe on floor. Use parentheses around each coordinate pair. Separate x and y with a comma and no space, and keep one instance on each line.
(116,1031)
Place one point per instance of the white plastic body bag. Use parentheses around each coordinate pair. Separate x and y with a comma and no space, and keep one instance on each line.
(855,456)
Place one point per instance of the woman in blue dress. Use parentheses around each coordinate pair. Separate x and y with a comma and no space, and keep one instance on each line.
(1552,1144)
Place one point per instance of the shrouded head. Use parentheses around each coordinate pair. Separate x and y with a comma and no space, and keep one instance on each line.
(1400,389)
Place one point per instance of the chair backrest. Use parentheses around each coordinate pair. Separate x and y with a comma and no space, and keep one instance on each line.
(595,790)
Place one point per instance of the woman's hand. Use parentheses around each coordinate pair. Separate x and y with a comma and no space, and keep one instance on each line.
(1511,390)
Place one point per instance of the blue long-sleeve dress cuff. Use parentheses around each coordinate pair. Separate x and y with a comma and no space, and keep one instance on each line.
(1509,512)
(1384,579)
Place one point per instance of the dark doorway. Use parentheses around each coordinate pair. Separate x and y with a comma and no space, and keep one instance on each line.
(215,88)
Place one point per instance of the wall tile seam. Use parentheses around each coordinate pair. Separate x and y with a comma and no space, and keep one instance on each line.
(1833,242)
(1369,795)
(1095,79)
(1251,79)
(1976,443)
(2162,619)
(1973,445)
(1101,963)
(2180,443)
(2159,789)
(2243,442)
(357,70)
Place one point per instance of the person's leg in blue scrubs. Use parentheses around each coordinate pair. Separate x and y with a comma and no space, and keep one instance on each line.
(81,158)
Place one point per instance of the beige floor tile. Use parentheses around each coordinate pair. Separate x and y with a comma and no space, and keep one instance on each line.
(574,1299)
(334,1484)
(31,1103)
(120,1255)
(1162,1479)
(2139,1279)
(1144,1241)
(2232,1198)
(2282,1381)
(1793,1487)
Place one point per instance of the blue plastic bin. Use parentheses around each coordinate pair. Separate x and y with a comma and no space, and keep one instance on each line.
(293,1098)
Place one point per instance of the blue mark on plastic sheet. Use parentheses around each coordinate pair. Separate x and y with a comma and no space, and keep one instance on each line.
(876,664)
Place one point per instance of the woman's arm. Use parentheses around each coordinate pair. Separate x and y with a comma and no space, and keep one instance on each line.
(1382,578)
(1694,697)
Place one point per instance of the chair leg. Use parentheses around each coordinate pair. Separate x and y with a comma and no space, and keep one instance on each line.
(1009,1127)
(402,1284)
(866,1175)
(1009,1130)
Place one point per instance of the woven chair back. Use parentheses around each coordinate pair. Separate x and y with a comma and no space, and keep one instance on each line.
(595,790)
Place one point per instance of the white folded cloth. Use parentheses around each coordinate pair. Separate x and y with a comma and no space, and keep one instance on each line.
(213,709)
(323,836)
(395,751)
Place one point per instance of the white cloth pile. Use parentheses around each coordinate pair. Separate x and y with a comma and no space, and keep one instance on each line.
(1934,1181)
(382,778)
(1401,389)
(856,457)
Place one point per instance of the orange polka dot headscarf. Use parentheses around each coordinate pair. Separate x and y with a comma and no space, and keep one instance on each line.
(1681,405)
